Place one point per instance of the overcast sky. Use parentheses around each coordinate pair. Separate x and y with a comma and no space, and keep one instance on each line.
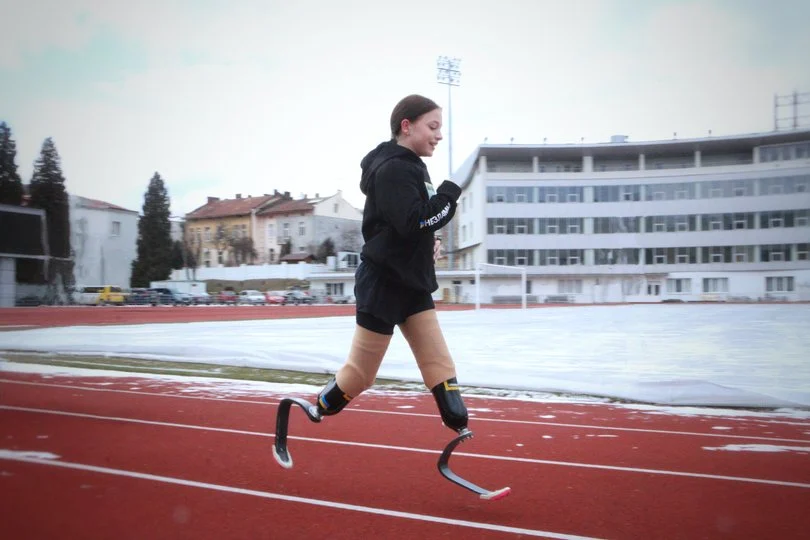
(226,97)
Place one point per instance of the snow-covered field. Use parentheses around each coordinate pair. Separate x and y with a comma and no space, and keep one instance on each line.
(724,355)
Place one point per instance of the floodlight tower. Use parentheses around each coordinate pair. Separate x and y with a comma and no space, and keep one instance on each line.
(448,73)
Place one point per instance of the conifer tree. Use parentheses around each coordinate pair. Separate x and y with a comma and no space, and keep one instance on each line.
(154,260)
(11,189)
(48,192)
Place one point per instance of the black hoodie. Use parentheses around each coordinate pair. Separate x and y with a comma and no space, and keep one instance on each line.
(401,213)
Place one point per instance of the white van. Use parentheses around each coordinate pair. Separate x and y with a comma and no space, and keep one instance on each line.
(96,295)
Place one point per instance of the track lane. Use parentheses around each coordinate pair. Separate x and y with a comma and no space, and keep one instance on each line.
(378,475)
(139,508)
(646,450)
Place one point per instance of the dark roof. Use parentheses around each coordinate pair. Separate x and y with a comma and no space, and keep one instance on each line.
(289,207)
(297,257)
(95,204)
(232,207)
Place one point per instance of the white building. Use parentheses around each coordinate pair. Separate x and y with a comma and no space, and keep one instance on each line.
(717,218)
(306,223)
(104,239)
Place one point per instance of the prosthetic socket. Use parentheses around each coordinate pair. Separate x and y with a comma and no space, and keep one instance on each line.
(451,406)
(332,399)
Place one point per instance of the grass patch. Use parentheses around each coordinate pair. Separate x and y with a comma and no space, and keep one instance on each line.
(188,369)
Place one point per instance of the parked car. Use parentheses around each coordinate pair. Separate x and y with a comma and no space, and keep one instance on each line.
(140,297)
(275,297)
(172,296)
(341,298)
(98,295)
(298,297)
(252,297)
(201,297)
(227,297)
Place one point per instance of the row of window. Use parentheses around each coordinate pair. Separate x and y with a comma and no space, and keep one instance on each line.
(780,152)
(713,189)
(720,285)
(678,223)
(773,284)
(240,230)
(651,256)
(784,152)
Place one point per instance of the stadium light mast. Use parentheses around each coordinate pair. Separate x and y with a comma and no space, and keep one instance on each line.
(449,74)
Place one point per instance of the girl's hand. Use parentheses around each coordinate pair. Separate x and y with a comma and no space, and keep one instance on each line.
(437,249)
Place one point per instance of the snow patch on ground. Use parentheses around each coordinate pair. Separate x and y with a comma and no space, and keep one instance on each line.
(758,448)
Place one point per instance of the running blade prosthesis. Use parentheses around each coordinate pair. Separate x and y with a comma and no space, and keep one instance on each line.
(280,451)
(444,468)
(283,457)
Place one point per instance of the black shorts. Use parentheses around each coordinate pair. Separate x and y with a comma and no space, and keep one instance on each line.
(381,305)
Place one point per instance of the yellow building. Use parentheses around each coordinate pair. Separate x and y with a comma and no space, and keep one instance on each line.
(221,232)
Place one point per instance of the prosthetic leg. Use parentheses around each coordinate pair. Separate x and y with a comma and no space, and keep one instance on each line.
(356,376)
(439,373)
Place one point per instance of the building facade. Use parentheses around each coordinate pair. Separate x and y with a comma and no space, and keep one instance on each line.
(104,240)
(214,230)
(306,223)
(716,218)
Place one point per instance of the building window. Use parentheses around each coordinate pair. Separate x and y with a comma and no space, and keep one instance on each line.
(208,234)
(715,285)
(802,251)
(775,253)
(116,228)
(302,229)
(286,231)
(779,284)
(336,208)
(679,286)
(569,286)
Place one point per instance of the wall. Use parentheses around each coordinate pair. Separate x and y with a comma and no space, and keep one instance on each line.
(259,271)
(101,258)
(8,280)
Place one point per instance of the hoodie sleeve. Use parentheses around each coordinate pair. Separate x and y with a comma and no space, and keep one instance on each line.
(399,198)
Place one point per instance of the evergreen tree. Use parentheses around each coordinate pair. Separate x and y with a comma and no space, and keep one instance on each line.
(154,261)
(48,193)
(11,189)
(178,255)
(326,249)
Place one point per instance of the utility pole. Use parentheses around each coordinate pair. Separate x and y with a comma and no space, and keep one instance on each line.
(448,73)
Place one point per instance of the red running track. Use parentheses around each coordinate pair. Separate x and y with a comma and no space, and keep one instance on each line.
(151,458)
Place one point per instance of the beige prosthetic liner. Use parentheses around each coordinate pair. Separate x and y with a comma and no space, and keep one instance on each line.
(428,346)
(366,355)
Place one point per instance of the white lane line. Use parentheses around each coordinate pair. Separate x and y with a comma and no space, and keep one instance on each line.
(724,435)
(416,450)
(294,499)
(422,415)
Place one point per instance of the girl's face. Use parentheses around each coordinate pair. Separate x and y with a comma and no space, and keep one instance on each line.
(422,135)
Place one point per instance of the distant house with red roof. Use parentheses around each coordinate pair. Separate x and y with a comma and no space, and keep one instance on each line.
(304,224)
(222,231)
